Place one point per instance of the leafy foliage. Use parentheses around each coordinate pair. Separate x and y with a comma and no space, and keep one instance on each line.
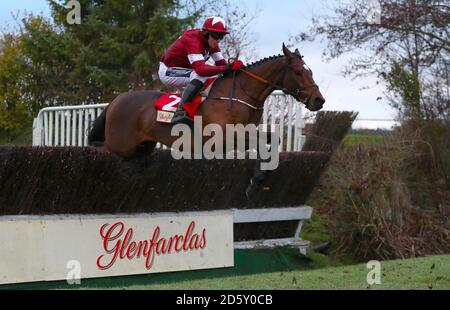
(52,63)
(117,45)
(13,112)
(115,48)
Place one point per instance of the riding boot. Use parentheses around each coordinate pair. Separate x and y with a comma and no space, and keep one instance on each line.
(189,94)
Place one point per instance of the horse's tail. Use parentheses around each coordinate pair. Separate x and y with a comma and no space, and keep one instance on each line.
(97,134)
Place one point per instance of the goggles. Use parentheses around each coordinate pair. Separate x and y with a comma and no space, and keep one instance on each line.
(217,35)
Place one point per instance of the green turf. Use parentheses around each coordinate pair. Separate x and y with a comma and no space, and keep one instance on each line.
(359,138)
(315,230)
(251,261)
(419,273)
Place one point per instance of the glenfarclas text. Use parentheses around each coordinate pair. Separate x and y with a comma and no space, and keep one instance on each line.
(119,244)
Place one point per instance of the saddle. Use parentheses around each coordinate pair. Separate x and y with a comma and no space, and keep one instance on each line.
(167,104)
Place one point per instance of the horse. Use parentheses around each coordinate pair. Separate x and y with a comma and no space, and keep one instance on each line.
(128,125)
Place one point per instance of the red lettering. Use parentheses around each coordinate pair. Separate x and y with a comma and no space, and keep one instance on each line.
(126,242)
(193,244)
(187,236)
(150,255)
(142,246)
(108,237)
(160,247)
(203,240)
(171,243)
(179,247)
(131,250)
(116,245)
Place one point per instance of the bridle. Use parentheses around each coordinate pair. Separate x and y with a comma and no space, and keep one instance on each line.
(294,93)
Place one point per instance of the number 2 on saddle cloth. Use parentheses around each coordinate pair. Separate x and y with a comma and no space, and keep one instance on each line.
(167,104)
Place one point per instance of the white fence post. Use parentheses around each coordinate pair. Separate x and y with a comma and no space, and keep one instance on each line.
(38,128)
(57,116)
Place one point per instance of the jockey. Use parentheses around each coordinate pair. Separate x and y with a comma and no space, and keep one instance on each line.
(184,63)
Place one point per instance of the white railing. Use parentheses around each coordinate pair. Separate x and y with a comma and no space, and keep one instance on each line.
(283,110)
(66,125)
(70,125)
(300,214)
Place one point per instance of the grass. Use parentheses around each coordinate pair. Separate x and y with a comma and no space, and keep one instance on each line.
(418,273)
(315,229)
(351,139)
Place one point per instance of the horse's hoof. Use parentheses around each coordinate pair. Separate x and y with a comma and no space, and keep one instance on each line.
(251,190)
(248,193)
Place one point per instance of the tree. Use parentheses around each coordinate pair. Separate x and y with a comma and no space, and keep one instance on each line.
(48,57)
(118,43)
(13,113)
(406,43)
(241,40)
(49,62)
(115,48)
(404,48)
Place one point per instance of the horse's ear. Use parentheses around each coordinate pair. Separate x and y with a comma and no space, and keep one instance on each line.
(286,51)
(297,52)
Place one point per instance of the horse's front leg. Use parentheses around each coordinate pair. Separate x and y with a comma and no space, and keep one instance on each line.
(257,179)
(260,170)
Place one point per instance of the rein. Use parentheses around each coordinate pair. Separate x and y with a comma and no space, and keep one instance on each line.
(231,98)
(295,94)
(264,81)
(237,100)
(256,77)
(259,79)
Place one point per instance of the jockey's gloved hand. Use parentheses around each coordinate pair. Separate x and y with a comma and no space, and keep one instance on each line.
(234,66)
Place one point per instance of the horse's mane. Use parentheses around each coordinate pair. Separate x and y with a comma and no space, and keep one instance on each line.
(264,60)
(257,63)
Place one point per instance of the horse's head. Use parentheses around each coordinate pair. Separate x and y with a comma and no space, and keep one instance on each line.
(299,83)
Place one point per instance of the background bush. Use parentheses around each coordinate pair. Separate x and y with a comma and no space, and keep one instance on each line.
(389,199)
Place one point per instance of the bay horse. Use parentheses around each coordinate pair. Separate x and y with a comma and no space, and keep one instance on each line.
(128,124)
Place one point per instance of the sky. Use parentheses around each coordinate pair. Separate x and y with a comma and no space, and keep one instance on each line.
(276,22)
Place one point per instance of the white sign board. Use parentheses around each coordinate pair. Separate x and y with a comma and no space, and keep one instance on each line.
(45,248)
